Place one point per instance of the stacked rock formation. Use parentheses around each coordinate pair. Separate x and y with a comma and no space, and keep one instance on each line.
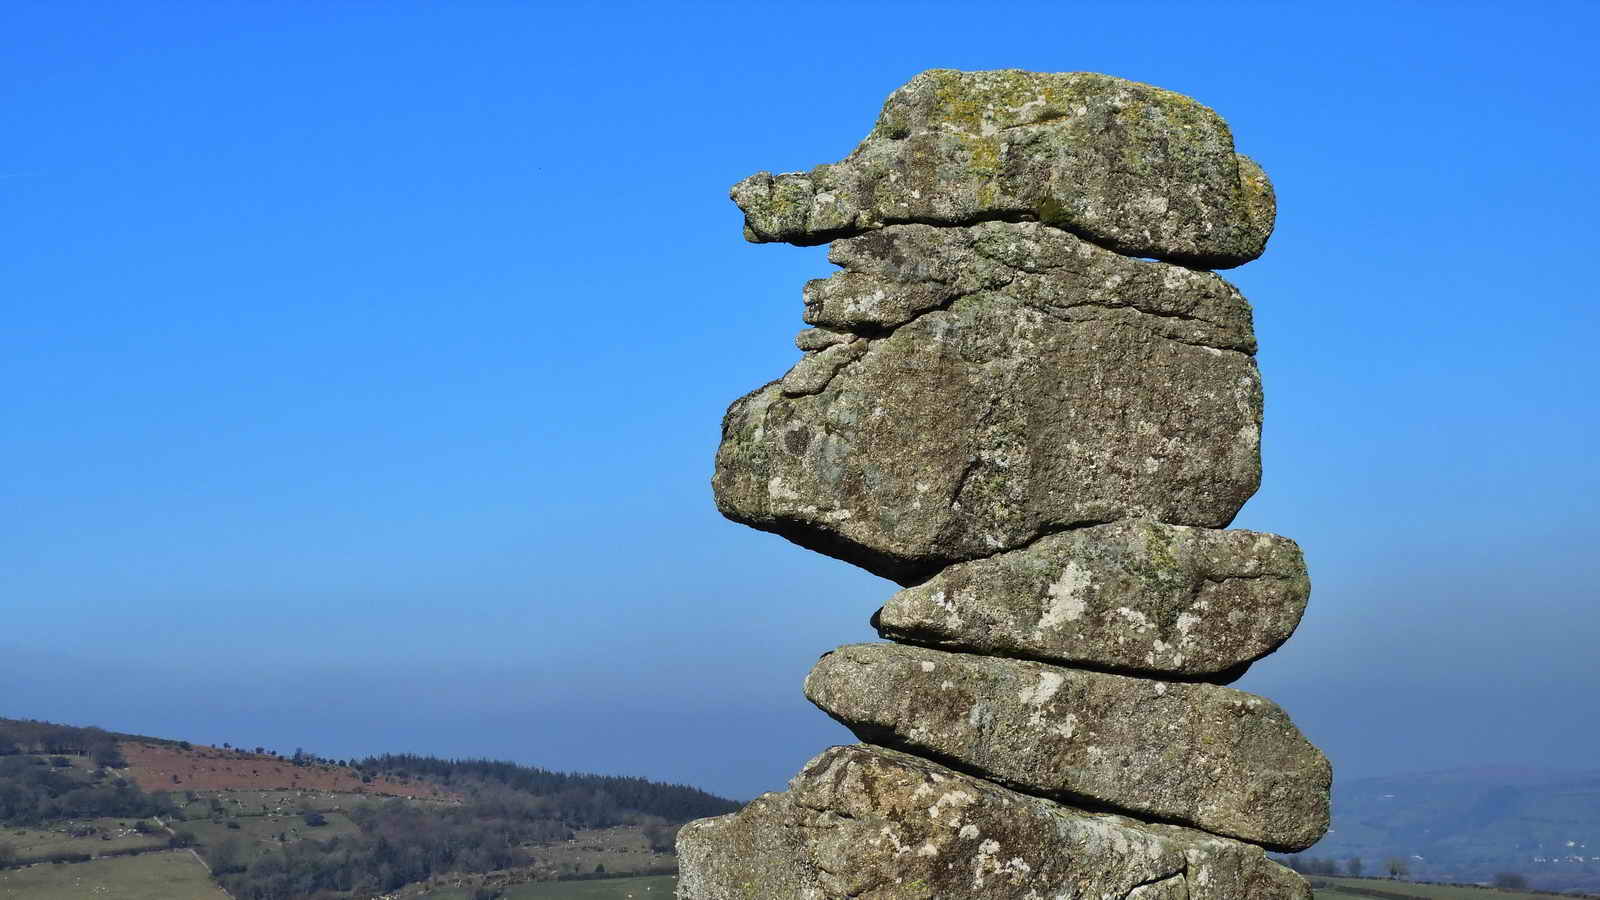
(1028,400)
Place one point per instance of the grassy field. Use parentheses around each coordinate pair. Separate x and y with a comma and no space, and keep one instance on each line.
(1420,891)
(34,843)
(652,887)
(169,875)
(263,831)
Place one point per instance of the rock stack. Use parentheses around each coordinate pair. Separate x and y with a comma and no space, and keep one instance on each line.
(1028,400)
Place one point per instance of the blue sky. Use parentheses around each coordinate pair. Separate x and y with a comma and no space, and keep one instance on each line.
(364,365)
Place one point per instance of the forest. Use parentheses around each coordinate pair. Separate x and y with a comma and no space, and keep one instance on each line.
(38,782)
(35,790)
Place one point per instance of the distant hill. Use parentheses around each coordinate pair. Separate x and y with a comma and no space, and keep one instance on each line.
(167,764)
(1469,824)
(264,826)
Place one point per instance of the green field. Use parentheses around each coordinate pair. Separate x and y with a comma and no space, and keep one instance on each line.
(1409,889)
(265,829)
(35,843)
(169,875)
(651,887)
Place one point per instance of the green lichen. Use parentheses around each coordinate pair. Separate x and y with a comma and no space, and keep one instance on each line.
(1051,211)
(983,156)
(1141,170)
(1160,546)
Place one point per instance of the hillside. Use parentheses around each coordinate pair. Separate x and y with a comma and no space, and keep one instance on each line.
(84,805)
(167,767)
(1467,825)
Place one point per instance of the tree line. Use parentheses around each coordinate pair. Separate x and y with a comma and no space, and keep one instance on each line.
(19,736)
(584,800)
(1393,867)
(34,790)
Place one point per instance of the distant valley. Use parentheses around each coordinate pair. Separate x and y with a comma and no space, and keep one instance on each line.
(1469,825)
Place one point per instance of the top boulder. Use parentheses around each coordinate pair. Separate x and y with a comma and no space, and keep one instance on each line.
(1137,169)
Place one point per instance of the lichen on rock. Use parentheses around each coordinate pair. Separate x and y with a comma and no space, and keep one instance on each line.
(1025,397)
(1134,596)
(1135,168)
(867,823)
(1201,755)
(1017,381)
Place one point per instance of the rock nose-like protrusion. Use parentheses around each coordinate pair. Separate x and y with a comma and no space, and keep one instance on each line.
(1000,382)
(1135,168)
(1025,397)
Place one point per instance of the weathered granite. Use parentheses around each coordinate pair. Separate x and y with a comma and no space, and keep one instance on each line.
(866,823)
(1134,596)
(1138,169)
(1194,754)
(999,404)
(894,274)
(973,389)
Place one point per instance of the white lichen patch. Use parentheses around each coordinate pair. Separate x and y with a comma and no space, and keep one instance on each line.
(983,862)
(1066,597)
(1137,619)
(887,835)
(1186,623)
(779,489)
(947,809)
(1154,204)
(1250,436)
(1066,727)
(1040,694)
(979,716)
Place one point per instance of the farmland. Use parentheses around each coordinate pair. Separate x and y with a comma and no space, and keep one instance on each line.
(656,887)
(89,837)
(85,812)
(1328,888)
(167,875)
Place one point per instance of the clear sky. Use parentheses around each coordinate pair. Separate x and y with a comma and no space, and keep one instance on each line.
(363,365)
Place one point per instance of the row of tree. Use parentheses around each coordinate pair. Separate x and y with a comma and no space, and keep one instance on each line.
(583,800)
(1394,866)
(19,736)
